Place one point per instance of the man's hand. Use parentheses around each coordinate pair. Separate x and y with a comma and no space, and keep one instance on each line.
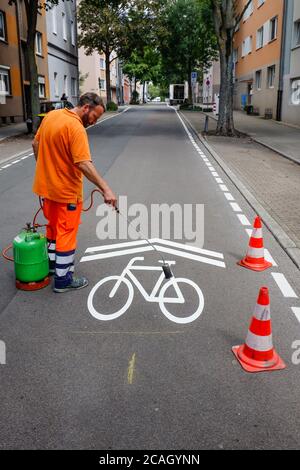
(109,197)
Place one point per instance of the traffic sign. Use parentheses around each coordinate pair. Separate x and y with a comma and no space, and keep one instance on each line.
(194,77)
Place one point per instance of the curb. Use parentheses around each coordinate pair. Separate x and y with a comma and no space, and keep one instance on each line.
(264,144)
(292,250)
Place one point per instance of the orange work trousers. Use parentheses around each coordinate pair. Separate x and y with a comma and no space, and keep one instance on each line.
(63,222)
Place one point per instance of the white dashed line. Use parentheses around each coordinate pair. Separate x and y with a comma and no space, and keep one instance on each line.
(296,311)
(270,258)
(215,173)
(229,196)
(235,206)
(243,219)
(224,188)
(219,180)
(6,166)
(284,285)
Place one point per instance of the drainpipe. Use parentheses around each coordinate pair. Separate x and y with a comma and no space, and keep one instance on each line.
(282,62)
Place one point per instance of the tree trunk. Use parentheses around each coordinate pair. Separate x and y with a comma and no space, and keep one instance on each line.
(144,93)
(107,75)
(31,14)
(225,122)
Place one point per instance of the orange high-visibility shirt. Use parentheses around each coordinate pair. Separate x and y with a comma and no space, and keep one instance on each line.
(63,142)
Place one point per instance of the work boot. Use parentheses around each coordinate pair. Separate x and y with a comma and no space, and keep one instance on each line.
(75,284)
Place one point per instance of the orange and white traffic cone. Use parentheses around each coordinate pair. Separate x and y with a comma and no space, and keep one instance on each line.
(255,257)
(258,354)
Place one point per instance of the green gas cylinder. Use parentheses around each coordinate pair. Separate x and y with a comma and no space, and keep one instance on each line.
(30,255)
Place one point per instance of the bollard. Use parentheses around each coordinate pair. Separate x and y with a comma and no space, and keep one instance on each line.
(206,124)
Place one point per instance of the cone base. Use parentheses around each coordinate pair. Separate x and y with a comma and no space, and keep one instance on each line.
(255,267)
(251,365)
(31,286)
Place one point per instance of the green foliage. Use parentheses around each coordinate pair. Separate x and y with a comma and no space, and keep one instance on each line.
(111,106)
(188,41)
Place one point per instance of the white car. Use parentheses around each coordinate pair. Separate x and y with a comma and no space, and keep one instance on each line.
(156,99)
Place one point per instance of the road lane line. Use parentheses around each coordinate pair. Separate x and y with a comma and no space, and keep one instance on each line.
(6,166)
(270,258)
(229,196)
(130,371)
(235,207)
(243,219)
(296,311)
(219,180)
(284,285)
(223,187)
(215,174)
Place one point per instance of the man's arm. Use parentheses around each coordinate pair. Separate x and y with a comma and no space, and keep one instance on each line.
(90,172)
(35,146)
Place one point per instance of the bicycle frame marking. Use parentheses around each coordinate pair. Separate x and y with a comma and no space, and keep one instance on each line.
(152,297)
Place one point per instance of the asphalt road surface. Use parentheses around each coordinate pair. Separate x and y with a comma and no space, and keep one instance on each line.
(86,371)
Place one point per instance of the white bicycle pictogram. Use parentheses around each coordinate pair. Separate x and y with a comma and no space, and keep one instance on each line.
(157,295)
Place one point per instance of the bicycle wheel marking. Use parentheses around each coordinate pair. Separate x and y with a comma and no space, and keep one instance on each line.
(181,320)
(112,316)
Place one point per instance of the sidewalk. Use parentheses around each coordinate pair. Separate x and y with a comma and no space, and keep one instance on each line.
(12,130)
(277,136)
(274,181)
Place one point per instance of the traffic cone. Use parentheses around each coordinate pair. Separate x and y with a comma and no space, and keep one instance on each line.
(258,354)
(255,257)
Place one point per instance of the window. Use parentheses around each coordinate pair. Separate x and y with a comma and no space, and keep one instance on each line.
(260,38)
(295,99)
(297,33)
(249,11)
(73,87)
(260,3)
(271,76)
(65,84)
(56,84)
(247,46)
(64,26)
(102,63)
(42,87)
(2,26)
(54,20)
(258,80)
(235,57)
(273,28)
(38,43)
(4,81)
(72,33)
(101,84)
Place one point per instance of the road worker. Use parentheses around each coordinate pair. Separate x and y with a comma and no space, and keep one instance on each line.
(63,156)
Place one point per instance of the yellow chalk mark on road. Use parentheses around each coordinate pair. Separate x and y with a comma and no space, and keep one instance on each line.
(130,332)
(131,370)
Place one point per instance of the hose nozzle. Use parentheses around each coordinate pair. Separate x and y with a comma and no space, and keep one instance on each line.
(167,271)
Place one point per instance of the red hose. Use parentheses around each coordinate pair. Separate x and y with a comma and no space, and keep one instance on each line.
(92,199)
(5,255)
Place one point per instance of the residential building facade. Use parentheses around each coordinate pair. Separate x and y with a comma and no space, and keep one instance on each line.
(93,77)
(11,97)
(290,111)
(14,70)
(62,51)
(257,53)
(41,53)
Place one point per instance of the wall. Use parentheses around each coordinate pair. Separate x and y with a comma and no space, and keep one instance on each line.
(258,58)
(291,110)
(62,53)
(9,57)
